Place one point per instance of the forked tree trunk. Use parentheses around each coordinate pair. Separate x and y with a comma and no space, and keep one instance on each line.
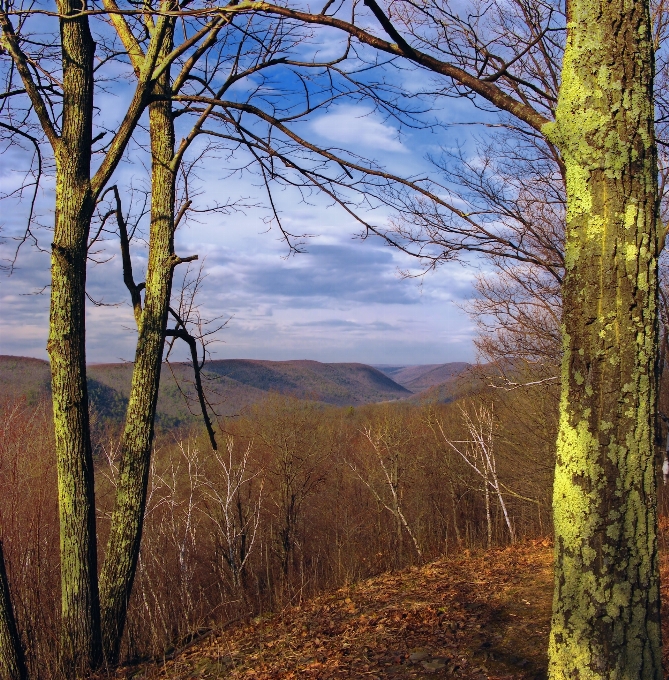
(118,571)
(80,614)
(12,660)
(606,611)
(76,194)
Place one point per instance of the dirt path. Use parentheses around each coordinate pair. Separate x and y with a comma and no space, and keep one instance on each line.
(484,615)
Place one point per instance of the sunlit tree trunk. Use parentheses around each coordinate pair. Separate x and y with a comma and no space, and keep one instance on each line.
(607,606)
(76,195)
(118,571)
(80,632)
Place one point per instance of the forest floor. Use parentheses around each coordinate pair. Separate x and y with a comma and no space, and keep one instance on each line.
(482,615)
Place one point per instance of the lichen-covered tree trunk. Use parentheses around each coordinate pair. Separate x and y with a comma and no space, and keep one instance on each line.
(12,661)
(80,615)
(123,547)
(606,605)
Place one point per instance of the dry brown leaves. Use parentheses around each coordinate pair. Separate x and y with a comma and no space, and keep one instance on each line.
(482,615)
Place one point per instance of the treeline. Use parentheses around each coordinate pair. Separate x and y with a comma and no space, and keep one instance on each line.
(298,498)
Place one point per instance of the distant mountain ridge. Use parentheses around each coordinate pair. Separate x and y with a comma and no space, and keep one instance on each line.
(341,384)
(421,377)
(231,384)
(441,383)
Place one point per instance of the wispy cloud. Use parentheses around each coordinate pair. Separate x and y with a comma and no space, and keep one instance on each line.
(356,126)
(348,325)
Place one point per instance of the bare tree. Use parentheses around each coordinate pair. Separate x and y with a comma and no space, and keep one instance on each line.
(479,454)
(238,53)
(64,111)
(59,109)
(385,475)
(295,450)
(234,511)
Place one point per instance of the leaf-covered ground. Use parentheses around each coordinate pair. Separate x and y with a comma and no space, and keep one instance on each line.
(483,615)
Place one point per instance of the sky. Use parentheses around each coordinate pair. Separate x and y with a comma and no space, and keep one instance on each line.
(342,300)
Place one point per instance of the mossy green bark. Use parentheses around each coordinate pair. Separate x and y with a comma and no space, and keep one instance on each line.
(123,546)
(80,615)
(606,605)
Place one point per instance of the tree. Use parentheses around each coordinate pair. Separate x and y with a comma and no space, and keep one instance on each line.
(605,476)
(233,506)
(513,180)
(76,195)
(606,612)
(295,447)
(69,132)
(479,454)
(223,59)
(118,569)
(385,473)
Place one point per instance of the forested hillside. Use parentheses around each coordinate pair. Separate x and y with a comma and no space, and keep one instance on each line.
(481,615)
(300,497)
(421,377)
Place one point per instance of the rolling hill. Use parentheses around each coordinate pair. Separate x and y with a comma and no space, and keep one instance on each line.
(231,384)
(24,377)
(422,377)
(340,384)
(435,382)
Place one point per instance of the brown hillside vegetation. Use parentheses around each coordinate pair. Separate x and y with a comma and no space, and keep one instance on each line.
(481,615)
(299,500)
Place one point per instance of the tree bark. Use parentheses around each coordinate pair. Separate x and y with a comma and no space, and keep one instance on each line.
(118,571)
(12,660)
(80,615)
(606,610)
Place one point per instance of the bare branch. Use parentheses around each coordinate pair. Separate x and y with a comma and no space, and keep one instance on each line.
(10,42)
(184,335)
(488,91)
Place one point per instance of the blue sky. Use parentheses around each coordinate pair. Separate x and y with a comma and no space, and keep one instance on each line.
(341,300)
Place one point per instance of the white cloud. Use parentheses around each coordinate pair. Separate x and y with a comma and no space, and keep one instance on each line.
(353,125)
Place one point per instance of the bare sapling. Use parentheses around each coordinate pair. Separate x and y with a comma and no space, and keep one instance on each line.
(388,459)
(479,454)
(182,511)
(234,511)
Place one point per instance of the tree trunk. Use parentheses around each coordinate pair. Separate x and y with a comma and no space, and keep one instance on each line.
(486,490)
(80,616)
(505,512)
(454,508)
(606,605)
(118,571)
(12,661)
